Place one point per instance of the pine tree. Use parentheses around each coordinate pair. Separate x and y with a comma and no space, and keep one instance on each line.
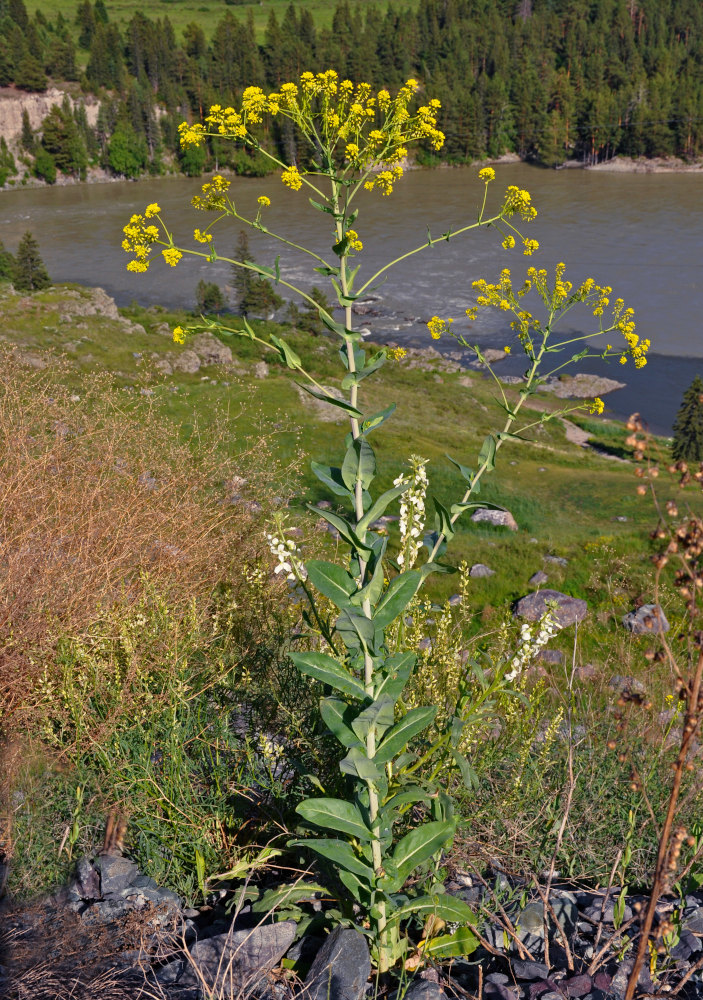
(7,264)
(688,426)
(30,274)
(254,295)
(209,297)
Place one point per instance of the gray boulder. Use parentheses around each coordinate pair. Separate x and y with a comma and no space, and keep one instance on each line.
(186,361)
(538,578)
(210,350)
(649,619)
(481,570)
(568,609)
(500,518)
(341,967)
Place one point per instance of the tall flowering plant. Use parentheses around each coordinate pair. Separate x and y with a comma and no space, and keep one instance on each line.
(359,139)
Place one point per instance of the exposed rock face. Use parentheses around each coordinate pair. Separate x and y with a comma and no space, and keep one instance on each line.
(210,350)
(37,106)
(501,518)
(648,619)
(581,386)
(568,611)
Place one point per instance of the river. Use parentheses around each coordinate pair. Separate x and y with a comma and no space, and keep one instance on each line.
(640,233)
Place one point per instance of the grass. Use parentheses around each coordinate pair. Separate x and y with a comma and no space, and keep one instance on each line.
(205,13)
(163,685)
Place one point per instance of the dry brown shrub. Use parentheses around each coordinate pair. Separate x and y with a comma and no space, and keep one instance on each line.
(96,491)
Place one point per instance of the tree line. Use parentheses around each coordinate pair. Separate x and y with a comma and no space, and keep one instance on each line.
(549,80)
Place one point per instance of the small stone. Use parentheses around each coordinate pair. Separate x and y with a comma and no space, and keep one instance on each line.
(86,884)
(116,874)
(688,944)
(568,611)
(649,619)
(586,671)
(594,911)
(341,967)
(693,921)
(601,981)
(529,970)
(497,991)
(261,369)
(552,656)
(499,978)
(499,518)
(186,361)
(455,600)
(557,560)
(481,570)
(422,989)
(538,578)
(623,682)
(577,986)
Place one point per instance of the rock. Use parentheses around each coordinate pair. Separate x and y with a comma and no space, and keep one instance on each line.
(586,672)
(210,350)
(116,873)
(553,656)
(622,682)
(497,991)
(576,986)
(186,361)
(164,366)
(557,560)
(687,945)
(568,611)
(225,962)
(86,884)
(580,386)
(538,578)
(648,619)
(481,570)
(594,911)
(529,970)
(341,967)
(693,920)
(423,989)
(261,370)
(501,518)
(90,302)
(456,599)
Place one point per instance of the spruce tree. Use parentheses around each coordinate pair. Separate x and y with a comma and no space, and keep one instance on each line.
(254,295)
(7,264)
(30,274)
(688,426)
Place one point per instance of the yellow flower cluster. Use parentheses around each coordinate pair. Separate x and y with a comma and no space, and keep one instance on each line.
(139,238)
(201,237)
(264,201)
(519,202)
(179,335)
(291,178)
(353,240)
(171,255)
(368,128)
(213,195)
(487,175)
(151,210)
(397,353)
(438,326)
(597,406)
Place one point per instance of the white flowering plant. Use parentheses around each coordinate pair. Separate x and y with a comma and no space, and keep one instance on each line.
(359,140)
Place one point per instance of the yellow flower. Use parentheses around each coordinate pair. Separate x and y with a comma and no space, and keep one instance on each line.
(179,335)
(397,353)
(202,237)
(151,210)
(487,175)
(291,178)
(171,255)
(530,247)
(507,350)
(352,151)
(508,243)
(438,326)
(264,201)
(597,406)
(353,240)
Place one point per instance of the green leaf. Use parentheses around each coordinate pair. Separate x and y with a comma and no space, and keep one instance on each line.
(287,353)
(371,423)
(287,895)
(355,886)
(379,506)
(339,853)
(414,793)
(345,530)
(331,580)
(435,567)
(338,716)
(335,814)
(420,844)
(321,208)
(358,764)
(356,631)
(331,477)
(372,590)
(398,669)
(466,472)
(443,521)
(400,592)
(457,945)
(332,400)
(359,464)
(379,715)
(403,731)
(277,268)
(323,668)
(441,904)
(487,453)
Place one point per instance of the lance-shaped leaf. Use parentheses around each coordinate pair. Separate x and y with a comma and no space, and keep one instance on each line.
(331,580)
(379,505)
(397,671)
(379,714)
(373,589)
(339,853)
(409,795)
(441,904)
(443,521)
(420,844)
(331,477)
(400,592)
(373,422)
(403,731)
(457,945)
(321,208)
(332,400)
(323,668)
(345,530)
(465,472)
(356,887)
(354,378)
(338,716)
(359,464)
(287,353)
(356,631)
(287,895)
(487,453)
(335,814)
(357,763)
